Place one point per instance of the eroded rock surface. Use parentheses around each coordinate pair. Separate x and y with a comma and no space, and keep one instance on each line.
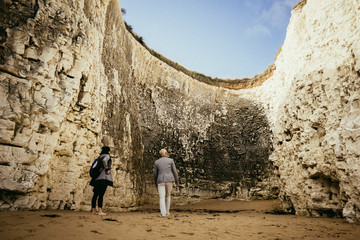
(313,107)
(72,79)
(317,133)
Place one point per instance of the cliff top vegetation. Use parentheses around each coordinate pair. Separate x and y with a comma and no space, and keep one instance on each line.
(235,84)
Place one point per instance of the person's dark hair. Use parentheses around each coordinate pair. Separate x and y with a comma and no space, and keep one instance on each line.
(105,150)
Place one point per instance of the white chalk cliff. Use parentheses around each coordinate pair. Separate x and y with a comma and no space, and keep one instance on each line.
(72,78)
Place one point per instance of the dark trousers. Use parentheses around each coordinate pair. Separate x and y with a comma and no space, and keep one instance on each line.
(99,192)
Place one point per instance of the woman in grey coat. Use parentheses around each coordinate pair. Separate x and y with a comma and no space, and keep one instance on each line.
(102,181)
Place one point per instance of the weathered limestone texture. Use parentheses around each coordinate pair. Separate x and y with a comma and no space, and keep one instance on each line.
(221,143)
(317,131)
(72,79)
(55,104)
(313,104)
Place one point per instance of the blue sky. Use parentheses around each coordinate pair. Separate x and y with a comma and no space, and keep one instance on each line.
(218,38)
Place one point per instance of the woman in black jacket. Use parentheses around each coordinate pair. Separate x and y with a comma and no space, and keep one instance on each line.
(102,181)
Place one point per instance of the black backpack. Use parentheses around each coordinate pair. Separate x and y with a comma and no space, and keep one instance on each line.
(96,168)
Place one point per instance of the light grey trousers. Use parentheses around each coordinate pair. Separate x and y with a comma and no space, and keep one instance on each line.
(165,197)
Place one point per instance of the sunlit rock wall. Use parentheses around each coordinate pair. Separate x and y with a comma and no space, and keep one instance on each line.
(58,107)
(72,79)
(318,127)
(313,104)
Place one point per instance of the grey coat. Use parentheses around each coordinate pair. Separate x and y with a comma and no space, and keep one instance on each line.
(106,160)
(165,171)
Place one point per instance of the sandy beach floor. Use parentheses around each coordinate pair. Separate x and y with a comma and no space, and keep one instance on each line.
(213,219)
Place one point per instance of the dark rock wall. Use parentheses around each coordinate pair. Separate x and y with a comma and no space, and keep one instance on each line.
(227,158)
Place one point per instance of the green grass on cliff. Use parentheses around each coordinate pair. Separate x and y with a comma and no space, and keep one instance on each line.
(226,83)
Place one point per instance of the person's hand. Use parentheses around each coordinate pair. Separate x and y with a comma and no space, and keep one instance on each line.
(108,172)
(177,184)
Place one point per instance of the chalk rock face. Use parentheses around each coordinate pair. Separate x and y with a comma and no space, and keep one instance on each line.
(317,143)
(54,105)
(314,111)
(72,79)
(220,142)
